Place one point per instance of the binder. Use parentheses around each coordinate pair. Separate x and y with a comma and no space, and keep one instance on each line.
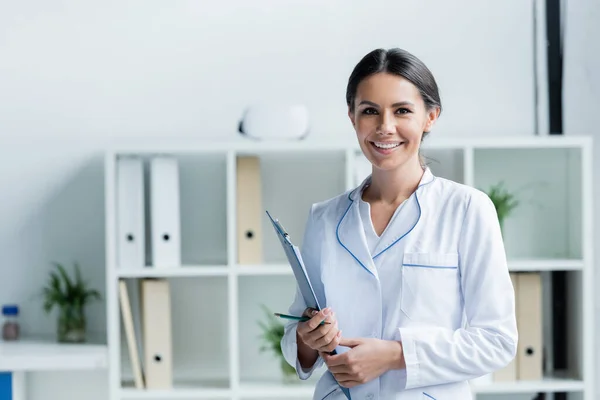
(509,373)
(249,210)
(157,338)
(131,242)
(130,335)
(165,212)
(529,322)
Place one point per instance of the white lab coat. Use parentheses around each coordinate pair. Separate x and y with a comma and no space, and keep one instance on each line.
(451,302)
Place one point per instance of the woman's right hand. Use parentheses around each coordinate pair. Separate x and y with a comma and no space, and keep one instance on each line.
(322,338)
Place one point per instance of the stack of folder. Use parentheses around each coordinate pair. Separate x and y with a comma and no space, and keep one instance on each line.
(150,343)
(528,364)
(149,212)
(159,229)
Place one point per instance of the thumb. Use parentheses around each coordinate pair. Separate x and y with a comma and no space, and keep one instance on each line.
(349,342)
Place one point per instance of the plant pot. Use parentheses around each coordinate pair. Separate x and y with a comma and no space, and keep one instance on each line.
(71,326)
(289,372)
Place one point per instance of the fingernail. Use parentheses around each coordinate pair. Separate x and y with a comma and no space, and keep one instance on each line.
(326,311)
(313,312)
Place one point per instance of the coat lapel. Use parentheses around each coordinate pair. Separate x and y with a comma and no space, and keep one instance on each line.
(406,220)
(351,233)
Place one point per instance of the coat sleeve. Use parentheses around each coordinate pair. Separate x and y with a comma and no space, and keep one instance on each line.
(489,342)
(289,345)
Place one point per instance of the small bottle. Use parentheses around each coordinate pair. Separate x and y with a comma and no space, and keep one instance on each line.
(10,329)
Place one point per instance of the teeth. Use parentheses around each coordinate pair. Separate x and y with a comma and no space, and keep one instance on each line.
(386,145)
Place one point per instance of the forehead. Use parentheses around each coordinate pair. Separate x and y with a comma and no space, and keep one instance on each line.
(385,88)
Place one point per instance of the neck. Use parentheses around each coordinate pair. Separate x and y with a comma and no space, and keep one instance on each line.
(394,186)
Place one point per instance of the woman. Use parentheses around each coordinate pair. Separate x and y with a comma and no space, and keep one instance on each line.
(411,266)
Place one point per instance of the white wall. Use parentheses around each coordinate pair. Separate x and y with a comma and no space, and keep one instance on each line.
(76,75)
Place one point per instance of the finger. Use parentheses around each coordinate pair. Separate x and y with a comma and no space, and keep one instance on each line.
(331,344)
(319,317)
(335,360)
(309,312)
(349,384)
(346,380)
(349,342)
(339,369)
(328,336)
(321,332)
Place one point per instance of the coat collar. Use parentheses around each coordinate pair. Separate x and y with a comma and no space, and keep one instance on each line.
(350,230)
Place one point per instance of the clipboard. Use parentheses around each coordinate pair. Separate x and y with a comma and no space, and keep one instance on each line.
(295,259)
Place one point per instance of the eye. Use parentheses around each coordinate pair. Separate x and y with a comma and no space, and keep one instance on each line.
(369,111)
(403,111)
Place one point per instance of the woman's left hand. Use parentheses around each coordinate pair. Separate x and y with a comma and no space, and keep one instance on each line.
(366,360)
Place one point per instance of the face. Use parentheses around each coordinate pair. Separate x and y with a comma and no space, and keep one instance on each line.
(390,117)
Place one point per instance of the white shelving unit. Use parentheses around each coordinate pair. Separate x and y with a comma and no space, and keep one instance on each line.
(45,354)
(215,302)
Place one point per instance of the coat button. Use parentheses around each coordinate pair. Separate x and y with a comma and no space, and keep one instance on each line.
(369,396)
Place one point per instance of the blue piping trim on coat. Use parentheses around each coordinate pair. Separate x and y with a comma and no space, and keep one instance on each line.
(431,397)
(337,230)
(413,227)
(337,234)
(330,393)
(430,266)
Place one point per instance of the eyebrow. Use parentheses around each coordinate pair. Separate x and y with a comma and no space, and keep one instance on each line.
(401,103)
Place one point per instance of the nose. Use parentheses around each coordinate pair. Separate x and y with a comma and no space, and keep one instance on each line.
(387,124)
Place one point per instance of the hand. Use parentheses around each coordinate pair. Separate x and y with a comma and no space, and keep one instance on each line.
(322,338)
(366,360)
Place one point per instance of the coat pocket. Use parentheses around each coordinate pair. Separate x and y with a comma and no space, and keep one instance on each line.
(428,396)
(430,285)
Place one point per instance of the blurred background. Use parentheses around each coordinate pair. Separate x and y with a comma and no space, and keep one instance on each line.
(80,77)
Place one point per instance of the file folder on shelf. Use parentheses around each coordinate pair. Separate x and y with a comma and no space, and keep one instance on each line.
(165,212)
(529,322)
(131,240)
(130,334)
(157,338)
(249,206)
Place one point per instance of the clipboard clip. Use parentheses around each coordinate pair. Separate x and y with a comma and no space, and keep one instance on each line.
(280,228)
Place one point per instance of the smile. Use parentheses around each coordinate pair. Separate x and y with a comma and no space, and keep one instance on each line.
(385,148)
(387,145)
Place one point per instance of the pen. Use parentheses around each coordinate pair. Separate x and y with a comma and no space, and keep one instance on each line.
(295,318)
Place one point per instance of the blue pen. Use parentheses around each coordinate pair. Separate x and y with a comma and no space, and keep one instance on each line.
(295,318)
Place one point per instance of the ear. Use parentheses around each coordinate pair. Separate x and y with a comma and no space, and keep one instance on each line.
(432,116)
(351,116)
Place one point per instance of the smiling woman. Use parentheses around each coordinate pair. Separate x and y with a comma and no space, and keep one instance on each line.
(400,259)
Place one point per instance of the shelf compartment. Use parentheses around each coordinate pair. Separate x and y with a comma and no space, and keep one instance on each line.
(547,223)
(277,294)
(199,329)
(445,163)
(291,183)
(32,354)
(203,199)
(182,389)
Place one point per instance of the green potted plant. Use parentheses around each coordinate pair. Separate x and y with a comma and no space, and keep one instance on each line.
(70,296)
(504,201)
(272,333)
